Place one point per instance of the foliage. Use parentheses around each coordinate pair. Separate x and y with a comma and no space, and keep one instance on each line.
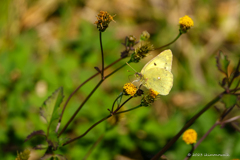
(59,46)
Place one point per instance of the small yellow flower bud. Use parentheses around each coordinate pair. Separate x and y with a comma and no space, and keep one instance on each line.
(130,89)
(190,136)
(185,23)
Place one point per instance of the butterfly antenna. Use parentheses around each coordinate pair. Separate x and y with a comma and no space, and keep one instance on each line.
(131,67)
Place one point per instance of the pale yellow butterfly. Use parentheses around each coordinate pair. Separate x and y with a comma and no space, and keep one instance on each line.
(156,74)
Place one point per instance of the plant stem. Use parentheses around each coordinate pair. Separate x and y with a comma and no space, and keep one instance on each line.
(100,82)
(188,124)
(60,119)
(170,42)
(129,109)
(102,72)
(115,71)
(93,146)
(76,112)
(122,105)
(116,101)
(206,134)
(99,122)
(87,130)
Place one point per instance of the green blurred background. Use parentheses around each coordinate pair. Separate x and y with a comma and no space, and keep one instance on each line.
(45,44)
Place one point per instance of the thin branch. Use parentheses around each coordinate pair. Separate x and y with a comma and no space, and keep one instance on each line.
(71,140)
(206,134)
(115,71)
(102,72)
(60,119)
(93,146)
(76,112)
(115,101)
(230,120)
(170,42)
(122,105)
(188,124)
(97,123)
(129,109)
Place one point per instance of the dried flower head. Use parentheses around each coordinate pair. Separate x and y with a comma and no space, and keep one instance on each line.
(190,136)
(185,23)
(129,89)
(141,51)
(23,155)
(103,20)
(148,99)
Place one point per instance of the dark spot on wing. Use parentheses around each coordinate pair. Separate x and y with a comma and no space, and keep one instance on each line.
(155,64)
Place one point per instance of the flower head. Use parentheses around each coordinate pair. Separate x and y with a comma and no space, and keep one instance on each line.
(103,20)
(148,99)
(190,136)
(23,155)
(153,93)
(141,51)
(130,89)
(185,23)
(145,36)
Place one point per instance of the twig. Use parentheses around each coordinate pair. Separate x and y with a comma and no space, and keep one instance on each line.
(188,124)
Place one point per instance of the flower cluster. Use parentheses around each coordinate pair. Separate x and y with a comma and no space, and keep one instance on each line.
(103,20)
(190,136)
(141,51)
(149,98)
(23,155)
(129,89)
(185,24)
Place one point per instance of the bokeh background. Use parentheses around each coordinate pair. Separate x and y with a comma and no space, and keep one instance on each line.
(45,44)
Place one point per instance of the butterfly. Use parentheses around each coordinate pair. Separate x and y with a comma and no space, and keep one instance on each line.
(156,74)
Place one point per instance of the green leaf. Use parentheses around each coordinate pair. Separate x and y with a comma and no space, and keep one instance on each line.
(229,100)
(222,62)
(120,99)
(50,110)
(53,157)
(35,133)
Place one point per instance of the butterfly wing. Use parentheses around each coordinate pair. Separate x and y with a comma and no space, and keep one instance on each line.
(158,79)
(163,60)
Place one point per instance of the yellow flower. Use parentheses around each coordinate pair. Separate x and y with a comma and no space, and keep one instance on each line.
(190,136)
(185,23)
(148,99)
(23,155)
(103,20)
(153,93)
(130,89)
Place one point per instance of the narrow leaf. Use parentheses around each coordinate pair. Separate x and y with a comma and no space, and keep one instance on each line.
(53,157)
(222,62)
(35,133)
